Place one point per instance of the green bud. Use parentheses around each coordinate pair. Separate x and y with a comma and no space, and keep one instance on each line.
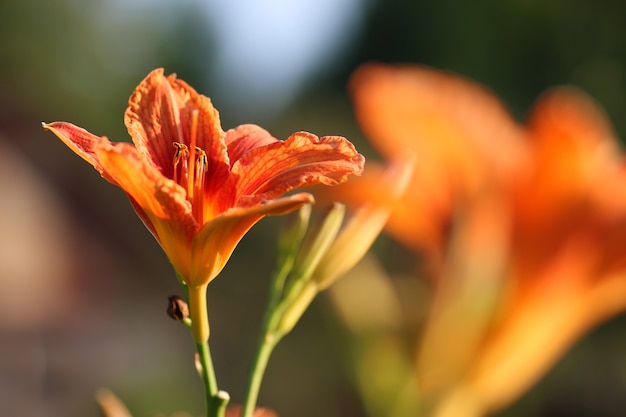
(295,308)
(291,237)
(318,241)
(363,227)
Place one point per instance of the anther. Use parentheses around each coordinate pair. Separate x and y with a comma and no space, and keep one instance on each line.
(201,166)
(190,167)
(201,163)
(181,156)
(180,149)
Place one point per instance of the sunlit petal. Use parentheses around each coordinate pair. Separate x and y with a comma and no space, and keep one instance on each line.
(161,200)
(449,123)
(80,141)
(302,160)
(214,244)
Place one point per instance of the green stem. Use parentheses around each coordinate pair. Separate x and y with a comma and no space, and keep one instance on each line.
(269,336)
(259,365)
(277,286)
(208,373)
(198,323)
(279,320)
(216,400)
(267,340)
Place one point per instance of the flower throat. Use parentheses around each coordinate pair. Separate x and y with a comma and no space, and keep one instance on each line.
(190,165)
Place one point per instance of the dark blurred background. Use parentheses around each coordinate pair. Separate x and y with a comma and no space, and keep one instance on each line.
(83,286)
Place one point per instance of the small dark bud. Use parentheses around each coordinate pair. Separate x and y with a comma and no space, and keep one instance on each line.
(177,308)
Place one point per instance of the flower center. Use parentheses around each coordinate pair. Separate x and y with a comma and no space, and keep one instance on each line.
(190,165)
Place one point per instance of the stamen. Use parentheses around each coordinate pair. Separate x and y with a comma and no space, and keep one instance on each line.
(181,156)
(201,167)
(190,167)
(201,163)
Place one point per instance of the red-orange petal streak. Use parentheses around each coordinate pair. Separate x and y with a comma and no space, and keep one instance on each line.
(302,160)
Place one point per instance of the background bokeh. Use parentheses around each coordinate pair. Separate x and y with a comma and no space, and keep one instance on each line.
(83,286)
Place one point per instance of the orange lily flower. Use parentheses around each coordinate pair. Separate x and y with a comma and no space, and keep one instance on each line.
(525,225)
(199,189)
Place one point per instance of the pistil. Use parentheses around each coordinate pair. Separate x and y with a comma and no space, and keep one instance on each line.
(192,156)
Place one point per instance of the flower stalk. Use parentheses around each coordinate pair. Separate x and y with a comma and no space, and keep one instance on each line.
(199,313)
(216,400)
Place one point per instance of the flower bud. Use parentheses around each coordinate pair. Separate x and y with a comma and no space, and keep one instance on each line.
(294,230)
(177,308)
(318,241)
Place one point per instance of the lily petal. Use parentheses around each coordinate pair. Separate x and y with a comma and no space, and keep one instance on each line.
(447,122)
(575,149)
(302,160)
(576,171)
(461,135)
(81,142)
(214,244)
(159,199)
(568,113)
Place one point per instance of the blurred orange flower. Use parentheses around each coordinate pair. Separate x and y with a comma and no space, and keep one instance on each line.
(525,225)
(200,189)
(460,135)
